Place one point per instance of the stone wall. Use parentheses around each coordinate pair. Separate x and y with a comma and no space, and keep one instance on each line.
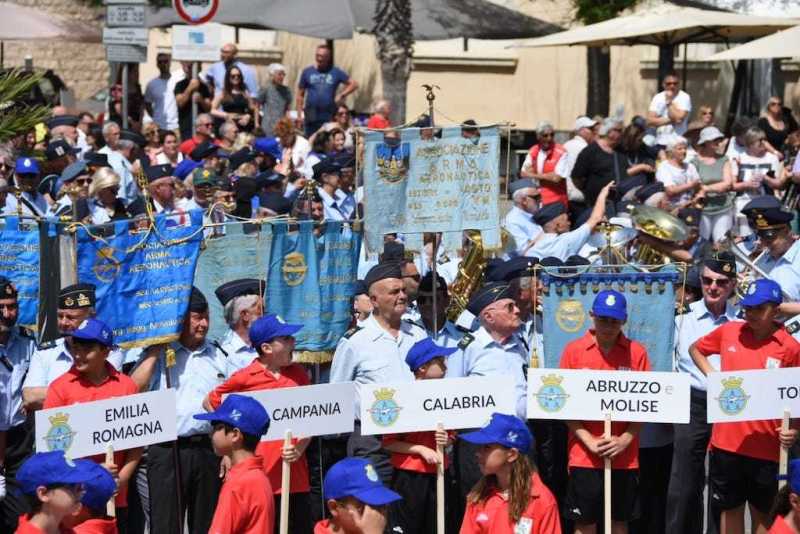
(82,66)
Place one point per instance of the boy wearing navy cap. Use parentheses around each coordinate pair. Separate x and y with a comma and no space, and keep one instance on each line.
(414,455)
(54,486)
(273,340)
(603,347)
(92,378)
(743,458)
(356,499)
(93,518)
(245,503)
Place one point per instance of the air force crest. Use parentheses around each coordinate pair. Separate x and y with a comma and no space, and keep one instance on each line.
(732,399)
(384,410)
(551,396)
(294,269)
(60,435)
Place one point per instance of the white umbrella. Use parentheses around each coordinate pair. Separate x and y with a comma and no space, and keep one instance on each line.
(664,25)
(26,23)
(785,43)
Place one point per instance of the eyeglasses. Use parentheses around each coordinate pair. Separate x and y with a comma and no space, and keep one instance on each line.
(721,282)
(83,181)
(767,235)
(708,113)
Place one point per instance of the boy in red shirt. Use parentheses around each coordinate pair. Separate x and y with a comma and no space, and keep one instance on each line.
(357,501)
(245,504)
(273,368)
(92,378)
(605,348)
(414,455)
(54,486)
(743,461)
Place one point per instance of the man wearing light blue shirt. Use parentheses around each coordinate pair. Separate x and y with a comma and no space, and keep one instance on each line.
(114,151)
(447,334)
(216,72)
(519,220)
(556,240)
(684,512)
(198,369)
(376,353)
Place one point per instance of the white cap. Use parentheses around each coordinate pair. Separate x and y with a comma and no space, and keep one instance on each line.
(584,122)
(709,133)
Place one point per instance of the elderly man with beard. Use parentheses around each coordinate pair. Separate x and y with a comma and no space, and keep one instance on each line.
(684,511)
(376,352)
(16,437)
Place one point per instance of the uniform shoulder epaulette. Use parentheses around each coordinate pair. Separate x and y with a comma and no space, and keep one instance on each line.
(681,310)
(349,333)
(793,327)
(466,340)
(219,347)
(46,345)
(418,325)
(462,328)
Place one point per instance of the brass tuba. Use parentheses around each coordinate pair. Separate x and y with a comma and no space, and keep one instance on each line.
(661,225)
(469,277)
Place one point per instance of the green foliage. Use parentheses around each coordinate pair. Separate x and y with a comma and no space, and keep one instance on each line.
(593,11)
(15,116)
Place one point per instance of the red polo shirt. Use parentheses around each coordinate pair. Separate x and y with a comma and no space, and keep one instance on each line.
(25,527)
(190,144)
(779,526)
(491,515)
(73,388)
(414,462)
(323,527)
(625,355)
(97,526)
(246,504)
(256,377)
(739,350)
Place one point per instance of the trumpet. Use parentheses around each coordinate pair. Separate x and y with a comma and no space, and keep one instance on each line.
(751,272)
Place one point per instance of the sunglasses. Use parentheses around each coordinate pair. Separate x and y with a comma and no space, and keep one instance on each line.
(83,181)
(535,197)
(767,235)
(721,282)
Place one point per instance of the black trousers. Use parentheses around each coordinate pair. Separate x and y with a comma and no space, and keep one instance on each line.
(416,512)
(370,448)
(322,453)
(550,457)
(684,511)
(19,445)
(654,473)
(200,485)
(300,520)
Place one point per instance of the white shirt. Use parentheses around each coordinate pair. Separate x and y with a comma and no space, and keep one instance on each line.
(747,168)
(520,225)
(659,105)
(35,200)
(162,159)
(161,95)
(573,147)
(53,360)
(784,270)
(690,327)
(561,246)
(670,175)
(237,353)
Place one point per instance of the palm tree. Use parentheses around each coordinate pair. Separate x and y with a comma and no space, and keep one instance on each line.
(395,47)
(16,116)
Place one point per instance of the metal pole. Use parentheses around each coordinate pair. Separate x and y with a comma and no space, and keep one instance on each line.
(124,110)
(431,97)
(194,102)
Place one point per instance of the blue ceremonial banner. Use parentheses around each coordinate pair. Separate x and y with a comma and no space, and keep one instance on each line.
(19,262)
(431,183)
(311,279)
(143,279)
(651,310)
(228,257)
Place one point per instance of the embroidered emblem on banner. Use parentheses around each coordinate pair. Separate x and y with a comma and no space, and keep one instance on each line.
(294,268)
(60,435)
(732,399)
(384,410)
(551,396)
(570,315)
(106,267)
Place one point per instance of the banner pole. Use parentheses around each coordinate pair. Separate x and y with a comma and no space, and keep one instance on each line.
(783,463)
(111,509)
(170,359)
(607,480)
(440,482)
(286,474)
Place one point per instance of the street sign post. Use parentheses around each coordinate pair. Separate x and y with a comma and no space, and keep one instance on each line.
(125,15)
(196,11)
(125,38)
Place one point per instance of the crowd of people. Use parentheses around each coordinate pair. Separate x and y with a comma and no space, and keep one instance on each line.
(247,154)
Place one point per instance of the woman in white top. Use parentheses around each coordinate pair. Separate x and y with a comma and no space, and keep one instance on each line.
(680,179)
(753,170)
(169,150)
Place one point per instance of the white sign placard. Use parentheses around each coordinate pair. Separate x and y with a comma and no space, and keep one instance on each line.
(125,36)
(126,54)
(588,395)
(753,395)
(307,411)
(122,422)
(196,43)
(125,15)
(423,404)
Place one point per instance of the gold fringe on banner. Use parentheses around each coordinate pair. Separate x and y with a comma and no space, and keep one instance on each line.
(311,356)
(149,341)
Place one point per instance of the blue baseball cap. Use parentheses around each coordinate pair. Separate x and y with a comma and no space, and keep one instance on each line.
(26,166)
(242,412)
(610,303)
(185,168)
(506,430)
(99,488)
(268,145)
(94,330)
(424,351)
(760,291)
(268,327)
(356,477)
(48,468)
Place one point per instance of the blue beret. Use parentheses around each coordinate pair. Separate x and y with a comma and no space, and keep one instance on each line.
(382,271)
(766,212)
(515,268)
(62,120)
(491,292)
(96,159)
(548,212)
(522,183)
(73,170)
(269,146)
(238,288)
(156,172)
(203,150)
